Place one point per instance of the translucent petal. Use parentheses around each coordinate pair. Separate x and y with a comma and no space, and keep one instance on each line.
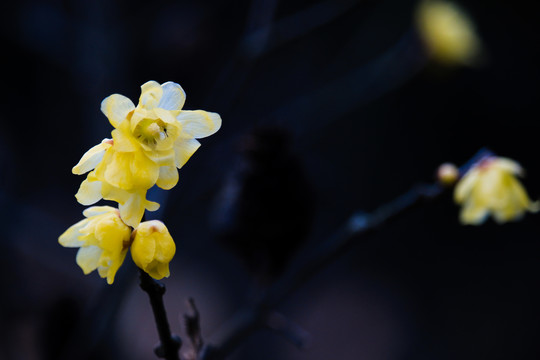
(168,177)
(116,108)
(132,210)
(98,210)
(70,237)
(151,205)
(183,150)
(91,158)
(145,172)
(88,258)
(165,115)
(173,97)
(151,93)
(89,192)
(161,158)
(124,142)
(113,268)
(117,172)
(199,123)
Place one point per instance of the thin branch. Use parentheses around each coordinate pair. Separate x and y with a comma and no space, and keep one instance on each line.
(169,344)
(192,322)
(254,318)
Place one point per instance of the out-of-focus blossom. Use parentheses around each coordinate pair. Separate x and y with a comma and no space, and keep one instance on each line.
(491,188)
(149,143)
(103,239)
(447,32)
(153,248)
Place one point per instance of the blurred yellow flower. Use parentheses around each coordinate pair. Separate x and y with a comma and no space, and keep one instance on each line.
(491,187)
(103,240)
(148,144)
(447,32)
(153,248)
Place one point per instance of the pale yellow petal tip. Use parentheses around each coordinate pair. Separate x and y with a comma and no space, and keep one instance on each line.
(448,33)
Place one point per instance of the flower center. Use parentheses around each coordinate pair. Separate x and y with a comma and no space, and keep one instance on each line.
(151,132)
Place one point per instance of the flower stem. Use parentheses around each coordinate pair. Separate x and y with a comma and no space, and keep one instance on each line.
(169,343)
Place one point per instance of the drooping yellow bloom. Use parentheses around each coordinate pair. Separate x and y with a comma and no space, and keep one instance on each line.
(492,188)
(103,239)
(149,143)
(447,32)
(153,248)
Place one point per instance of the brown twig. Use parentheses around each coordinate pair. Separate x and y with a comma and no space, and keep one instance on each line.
(252,319)
(169,343)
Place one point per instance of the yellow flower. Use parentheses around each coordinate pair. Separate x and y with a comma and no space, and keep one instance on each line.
(491,187)
(153,139)
(149,143)
(103,240)
(153,248)
(447,32)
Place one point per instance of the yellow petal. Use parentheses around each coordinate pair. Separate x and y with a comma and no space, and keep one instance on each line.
(168,177)
(110,272)
(151,205)
(161,158)
(116,108)
(199,123)
(98,210)
(145,172)
(70,237)
(92,158)
(88,258)
(151,93)
(183,150)
(173,97)
(508,165)
(124,142)
(132,210)
(473,215)
(89,192)
(465,185)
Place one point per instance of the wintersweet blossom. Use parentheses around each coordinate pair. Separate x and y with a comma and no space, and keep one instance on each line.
(153,248)
(149,143)
(491,187)
(447,32)
(103,241)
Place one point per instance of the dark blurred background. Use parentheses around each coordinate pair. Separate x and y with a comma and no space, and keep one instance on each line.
(328,107)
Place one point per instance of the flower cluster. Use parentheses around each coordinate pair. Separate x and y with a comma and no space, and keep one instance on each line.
(150,142)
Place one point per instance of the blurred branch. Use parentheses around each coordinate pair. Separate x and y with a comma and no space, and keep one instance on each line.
(169,344)
(360,224)
(192,322)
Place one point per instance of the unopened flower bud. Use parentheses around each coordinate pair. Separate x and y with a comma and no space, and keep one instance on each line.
(447,174)
(153,248)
